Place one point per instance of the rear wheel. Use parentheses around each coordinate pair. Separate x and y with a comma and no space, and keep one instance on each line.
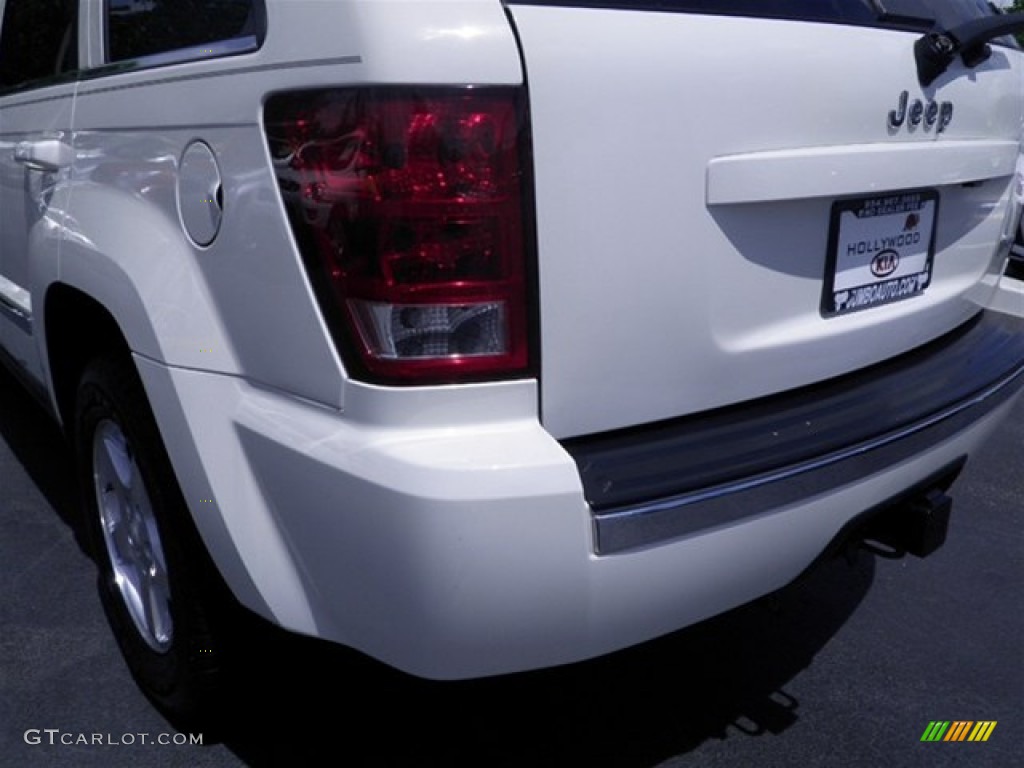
(131,536)
(159,589)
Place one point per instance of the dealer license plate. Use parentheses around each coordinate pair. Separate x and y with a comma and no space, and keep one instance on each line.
(880,250)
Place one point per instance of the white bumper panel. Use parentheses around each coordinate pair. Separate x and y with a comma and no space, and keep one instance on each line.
(459,551)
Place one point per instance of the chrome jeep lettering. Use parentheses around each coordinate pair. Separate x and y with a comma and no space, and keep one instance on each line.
(916,110)
(933,114)
(898,115)
(945,115)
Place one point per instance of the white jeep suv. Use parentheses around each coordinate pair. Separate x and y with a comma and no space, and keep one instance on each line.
(483,336)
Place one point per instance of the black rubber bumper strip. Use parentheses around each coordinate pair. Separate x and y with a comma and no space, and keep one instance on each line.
(677,478)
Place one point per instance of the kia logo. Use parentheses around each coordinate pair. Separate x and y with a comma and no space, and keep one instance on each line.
(885,263)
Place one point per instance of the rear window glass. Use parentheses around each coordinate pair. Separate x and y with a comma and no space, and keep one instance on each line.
(946,12)
(141,29)
(851,11)
(902,13)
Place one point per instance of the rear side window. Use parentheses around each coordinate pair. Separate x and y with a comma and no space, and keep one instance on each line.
(179,30)
(38,42)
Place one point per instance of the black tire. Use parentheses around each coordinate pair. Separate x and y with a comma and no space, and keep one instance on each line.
(158,587)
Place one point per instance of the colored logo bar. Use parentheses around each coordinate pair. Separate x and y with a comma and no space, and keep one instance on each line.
(958,730)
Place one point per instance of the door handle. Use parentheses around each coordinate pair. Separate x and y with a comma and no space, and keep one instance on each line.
(46,155)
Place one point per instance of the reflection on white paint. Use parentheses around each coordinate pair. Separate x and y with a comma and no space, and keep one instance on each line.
(466,32)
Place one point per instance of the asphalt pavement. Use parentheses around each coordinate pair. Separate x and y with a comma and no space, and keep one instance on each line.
(845,668)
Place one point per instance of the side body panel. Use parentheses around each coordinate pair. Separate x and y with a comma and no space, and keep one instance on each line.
(242,305)
(35,126)
(239,313)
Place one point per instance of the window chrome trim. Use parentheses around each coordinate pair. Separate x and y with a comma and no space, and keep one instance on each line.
(235,46)
(16,304)
(64,78)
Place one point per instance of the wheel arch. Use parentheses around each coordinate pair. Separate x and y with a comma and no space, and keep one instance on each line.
(80,329)
(77,329)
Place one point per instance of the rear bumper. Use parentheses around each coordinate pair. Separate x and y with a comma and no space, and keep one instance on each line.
(467,548)
(695,474)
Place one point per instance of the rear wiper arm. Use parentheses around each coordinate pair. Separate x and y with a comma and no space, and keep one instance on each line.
(936,50)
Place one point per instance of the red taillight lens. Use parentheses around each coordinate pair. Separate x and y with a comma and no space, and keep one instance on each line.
(407,205)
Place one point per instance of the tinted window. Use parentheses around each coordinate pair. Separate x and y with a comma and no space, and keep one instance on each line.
(851,11)
(142,28)
(948,12)
(922,13)
(38,41)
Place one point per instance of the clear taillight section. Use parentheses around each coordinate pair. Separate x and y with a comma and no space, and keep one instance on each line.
(407,204)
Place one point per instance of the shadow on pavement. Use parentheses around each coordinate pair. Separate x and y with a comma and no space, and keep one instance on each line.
(635,708)
(36,441)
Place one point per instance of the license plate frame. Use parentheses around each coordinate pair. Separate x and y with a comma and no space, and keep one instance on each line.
(881,249)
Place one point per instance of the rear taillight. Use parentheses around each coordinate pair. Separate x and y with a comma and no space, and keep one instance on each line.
(407,204)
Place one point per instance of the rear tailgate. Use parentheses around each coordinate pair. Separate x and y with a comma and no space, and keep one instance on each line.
(726,208)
